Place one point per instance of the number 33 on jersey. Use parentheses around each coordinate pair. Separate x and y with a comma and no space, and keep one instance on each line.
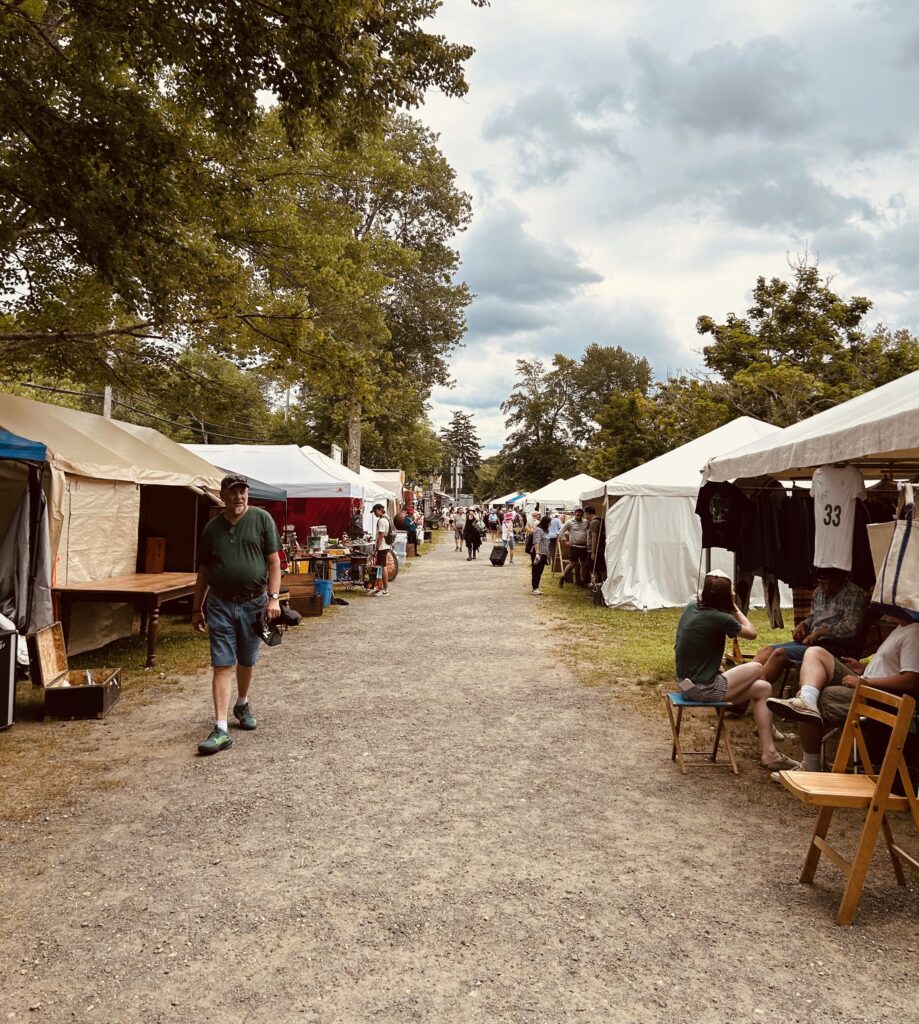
(835,491)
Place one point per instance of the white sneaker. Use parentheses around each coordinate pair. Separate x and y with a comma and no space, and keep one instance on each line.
(384,593)
(538,593)
(795,708)
(377,593)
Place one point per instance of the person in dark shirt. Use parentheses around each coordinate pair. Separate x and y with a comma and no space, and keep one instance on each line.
(699,649)
(239,579)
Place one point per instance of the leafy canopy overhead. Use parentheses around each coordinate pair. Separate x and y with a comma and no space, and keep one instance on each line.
(119,120)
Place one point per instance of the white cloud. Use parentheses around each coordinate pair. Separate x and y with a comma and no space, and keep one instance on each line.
(634,165)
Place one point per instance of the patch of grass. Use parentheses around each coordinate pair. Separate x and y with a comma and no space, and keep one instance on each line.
(632,651)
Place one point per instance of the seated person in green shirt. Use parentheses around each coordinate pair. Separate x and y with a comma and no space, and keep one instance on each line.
(700,637)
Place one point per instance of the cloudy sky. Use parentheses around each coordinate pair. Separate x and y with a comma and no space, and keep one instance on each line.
(635,163)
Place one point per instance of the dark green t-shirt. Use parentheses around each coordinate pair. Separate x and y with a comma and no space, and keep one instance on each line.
(699,643)
(235,555)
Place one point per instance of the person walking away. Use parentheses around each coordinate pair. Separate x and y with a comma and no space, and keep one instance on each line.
(577,531)
(699,649)
(384,535)
(539,553)
(507,536)
(472,536)
(493,525)
(239,579)
(555,525)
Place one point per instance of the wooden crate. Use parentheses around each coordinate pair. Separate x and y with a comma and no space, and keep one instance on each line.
(83,693)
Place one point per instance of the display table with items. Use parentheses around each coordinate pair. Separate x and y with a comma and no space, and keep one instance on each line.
(147,591)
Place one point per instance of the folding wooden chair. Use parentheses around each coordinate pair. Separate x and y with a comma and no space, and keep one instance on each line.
(868,792)
(676,704)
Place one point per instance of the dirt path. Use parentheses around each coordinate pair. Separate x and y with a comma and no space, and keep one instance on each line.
(433,822)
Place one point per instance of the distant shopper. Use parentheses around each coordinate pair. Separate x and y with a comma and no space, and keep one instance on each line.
(577,531)
(507,536)
(383,534)
(555,525)
(596,565)
(459,525)
(239,580)
(493,524)
(539,554)
(472,536)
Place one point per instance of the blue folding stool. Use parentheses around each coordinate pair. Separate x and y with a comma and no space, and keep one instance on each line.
(678,702)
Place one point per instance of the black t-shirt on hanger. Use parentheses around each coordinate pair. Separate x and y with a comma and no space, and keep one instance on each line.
(722,508)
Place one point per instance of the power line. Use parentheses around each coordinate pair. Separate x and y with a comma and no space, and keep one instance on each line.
(204,431)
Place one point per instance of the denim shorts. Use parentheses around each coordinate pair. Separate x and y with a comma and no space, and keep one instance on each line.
(794,652)
(231,627)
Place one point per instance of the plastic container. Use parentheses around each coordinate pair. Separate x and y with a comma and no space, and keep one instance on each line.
(399,546)
(324,590)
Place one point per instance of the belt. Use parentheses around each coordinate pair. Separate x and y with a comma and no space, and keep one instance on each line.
(242,596)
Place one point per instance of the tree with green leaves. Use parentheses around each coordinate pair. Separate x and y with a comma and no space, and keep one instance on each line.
(461,447)
(114,118)
(801,347)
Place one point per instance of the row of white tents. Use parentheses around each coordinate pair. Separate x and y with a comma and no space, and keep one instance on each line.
(653,536)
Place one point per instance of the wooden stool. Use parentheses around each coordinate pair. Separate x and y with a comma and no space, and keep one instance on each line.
(677,701)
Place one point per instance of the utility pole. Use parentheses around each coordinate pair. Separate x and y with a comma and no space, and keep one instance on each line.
(107,401)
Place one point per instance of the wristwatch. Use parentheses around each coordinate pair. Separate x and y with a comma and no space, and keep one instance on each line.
(274,597)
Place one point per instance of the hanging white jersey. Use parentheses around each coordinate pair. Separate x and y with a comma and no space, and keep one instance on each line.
(835,491)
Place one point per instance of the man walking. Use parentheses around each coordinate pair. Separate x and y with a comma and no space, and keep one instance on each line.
(578,537)
(382,545)
(239,579)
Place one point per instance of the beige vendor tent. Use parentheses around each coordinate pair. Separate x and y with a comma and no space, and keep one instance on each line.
(110,483)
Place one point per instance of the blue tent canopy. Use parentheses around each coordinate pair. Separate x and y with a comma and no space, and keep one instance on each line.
(261,491)
(12,446)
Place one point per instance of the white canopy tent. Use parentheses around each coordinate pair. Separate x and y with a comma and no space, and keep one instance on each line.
(508,499)
(562,493)
(302,472)
(878,432)
(653,535)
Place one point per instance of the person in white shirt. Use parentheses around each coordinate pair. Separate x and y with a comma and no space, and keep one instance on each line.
(827,685)
(381,530)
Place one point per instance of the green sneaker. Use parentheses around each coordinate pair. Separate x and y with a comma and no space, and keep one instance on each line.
(217,741)
(243,714)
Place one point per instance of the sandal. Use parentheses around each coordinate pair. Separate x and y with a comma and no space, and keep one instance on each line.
(780,764)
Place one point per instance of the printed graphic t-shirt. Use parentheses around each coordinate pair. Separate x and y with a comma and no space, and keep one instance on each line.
(835,491)
(722,509)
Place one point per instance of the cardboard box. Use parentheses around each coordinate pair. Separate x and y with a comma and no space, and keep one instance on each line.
(83,693)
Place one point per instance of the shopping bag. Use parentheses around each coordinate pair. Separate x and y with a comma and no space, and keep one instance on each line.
(897,587)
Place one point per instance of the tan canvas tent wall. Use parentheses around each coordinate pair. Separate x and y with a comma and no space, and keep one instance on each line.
(96,471)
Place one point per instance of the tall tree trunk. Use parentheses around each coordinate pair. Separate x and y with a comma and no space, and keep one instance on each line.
(354,437)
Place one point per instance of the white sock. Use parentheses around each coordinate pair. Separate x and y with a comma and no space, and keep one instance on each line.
(810,695)
(221,723)
(242,701)
(811,762)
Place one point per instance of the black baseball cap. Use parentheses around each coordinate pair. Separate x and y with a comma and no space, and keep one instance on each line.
(382,508)
(233,480)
